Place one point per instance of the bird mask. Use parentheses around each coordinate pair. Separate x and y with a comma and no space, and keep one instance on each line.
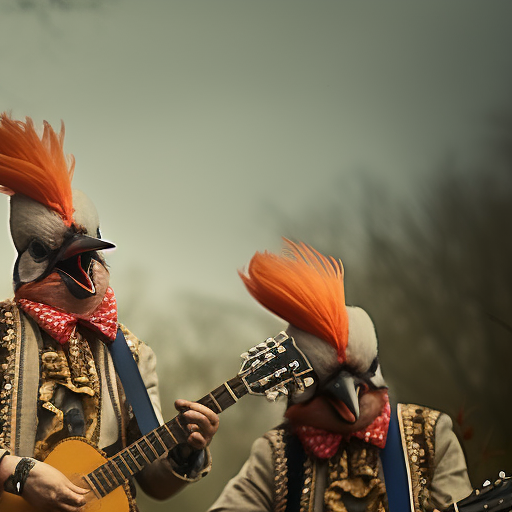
(55,229)
(306,289)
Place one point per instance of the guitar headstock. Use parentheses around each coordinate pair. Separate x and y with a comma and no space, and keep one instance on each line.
(276,367)
(491,497)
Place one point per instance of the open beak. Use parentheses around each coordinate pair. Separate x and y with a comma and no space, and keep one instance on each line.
(74,263)
(343,395)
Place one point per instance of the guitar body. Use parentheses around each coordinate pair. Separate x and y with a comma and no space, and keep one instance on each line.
(74,458)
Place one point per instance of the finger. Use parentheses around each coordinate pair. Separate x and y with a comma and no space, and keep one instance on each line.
(65,495)
(182,405)
(212,416)
(197,441)
(199,437)
(77,489)
(74,500)
(200,420)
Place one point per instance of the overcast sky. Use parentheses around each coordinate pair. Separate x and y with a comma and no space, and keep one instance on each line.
(189,118)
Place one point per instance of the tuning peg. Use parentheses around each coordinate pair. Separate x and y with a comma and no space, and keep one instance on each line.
(273,394)
(302,384)
(293,365)
(244,355)
(279,372)
(309,381)
(502,474)
(486,483)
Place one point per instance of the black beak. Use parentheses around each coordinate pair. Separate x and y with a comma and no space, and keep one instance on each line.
(343,387)
(74,263)
(78,244)
(73,260)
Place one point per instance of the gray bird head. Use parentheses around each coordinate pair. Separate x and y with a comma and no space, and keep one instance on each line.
(305,288)
(55,230)
(58,264)
(342,381)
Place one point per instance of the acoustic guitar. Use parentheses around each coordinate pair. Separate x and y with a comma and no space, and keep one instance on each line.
(272,369)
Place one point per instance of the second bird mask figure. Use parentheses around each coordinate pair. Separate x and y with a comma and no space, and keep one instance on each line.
(326,455)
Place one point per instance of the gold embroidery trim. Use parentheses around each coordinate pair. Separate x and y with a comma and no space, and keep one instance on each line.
(71,366)
(354,472)
(132,341)
(9,328)
(417,425)
(277,442)
(306,498)
(280,469)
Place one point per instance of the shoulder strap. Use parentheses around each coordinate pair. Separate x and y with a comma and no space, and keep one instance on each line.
(133,385)
(295,457)
(395,469)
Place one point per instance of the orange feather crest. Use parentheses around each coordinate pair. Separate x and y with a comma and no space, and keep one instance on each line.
(304,288)
(36,167)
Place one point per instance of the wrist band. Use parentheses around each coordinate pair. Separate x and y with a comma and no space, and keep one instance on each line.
(15,483)
(185,461)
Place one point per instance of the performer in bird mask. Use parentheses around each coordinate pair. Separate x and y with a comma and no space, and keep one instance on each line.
(57,377)
(326,456)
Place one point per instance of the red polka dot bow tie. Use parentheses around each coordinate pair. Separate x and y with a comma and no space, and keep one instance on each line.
(324,444)
(61,325)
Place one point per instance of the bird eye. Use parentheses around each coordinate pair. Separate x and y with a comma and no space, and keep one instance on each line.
(38,250)
(374,366)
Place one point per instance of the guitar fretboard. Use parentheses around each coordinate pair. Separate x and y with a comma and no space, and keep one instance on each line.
(152,446)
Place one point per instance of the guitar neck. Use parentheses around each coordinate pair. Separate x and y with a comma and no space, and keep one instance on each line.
(152,446)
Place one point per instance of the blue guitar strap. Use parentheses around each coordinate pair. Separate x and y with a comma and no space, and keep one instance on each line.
(395,470)
(133,385)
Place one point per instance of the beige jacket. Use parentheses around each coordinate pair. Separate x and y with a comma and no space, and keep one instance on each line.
(259,484)
(20,343)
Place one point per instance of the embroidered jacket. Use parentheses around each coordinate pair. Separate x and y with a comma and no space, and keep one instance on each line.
(22,374)
(28,370)
(279,477)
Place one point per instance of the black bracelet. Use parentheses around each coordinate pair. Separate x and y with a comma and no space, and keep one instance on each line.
(15,483)
(185,460)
